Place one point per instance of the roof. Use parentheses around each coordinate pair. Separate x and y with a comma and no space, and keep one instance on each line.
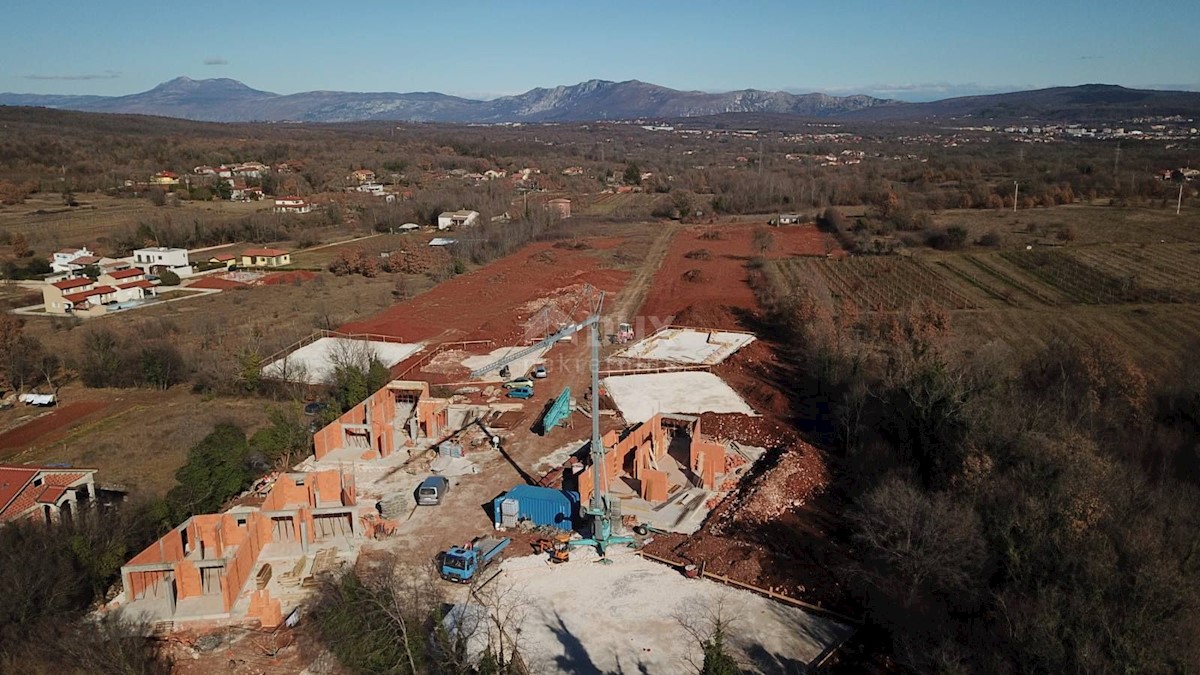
(68,284)
(125,274)
(224,256)
(68,250)
(140,283)
(560,200)
(16,478)
(86,260)
(264,252)
(84,295)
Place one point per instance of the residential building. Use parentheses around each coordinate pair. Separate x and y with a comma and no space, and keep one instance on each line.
(397,416)
(560,207)
(573,171)
(789,219)
(493,174)
(155,259)
(225,566)
(461,218)
(363,176)
(265,257)
(249,169)
(165,178)
(44,493)
(72,259)
(292,205)
(226,259)
(81,296)
(240,192)
(204,170)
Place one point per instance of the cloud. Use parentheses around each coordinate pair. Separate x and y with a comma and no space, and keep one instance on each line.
(105,75)
(215,61)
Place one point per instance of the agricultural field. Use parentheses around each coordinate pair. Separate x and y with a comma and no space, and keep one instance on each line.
(1145,295)
(1080,224)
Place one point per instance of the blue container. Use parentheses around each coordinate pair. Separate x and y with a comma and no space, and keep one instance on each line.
(539,505)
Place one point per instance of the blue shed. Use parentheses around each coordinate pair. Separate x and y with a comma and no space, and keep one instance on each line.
(542,506)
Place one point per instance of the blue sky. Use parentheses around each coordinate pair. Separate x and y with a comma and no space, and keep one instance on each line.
(912,49)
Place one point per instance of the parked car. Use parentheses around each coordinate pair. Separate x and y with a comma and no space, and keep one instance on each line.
(313,409)
(431,490)
(519,383)
(539,372)
(521,392)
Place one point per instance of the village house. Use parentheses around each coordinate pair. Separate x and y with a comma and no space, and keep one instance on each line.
(292,205)
(240,192)
(165,178)
(362,176)
(82,296)
(265,257)
(204,170)
(155,259)
(226,259)
(43,493)
(493,174)
(573,171)
(559,207)
(249,169)
(453,219)
(72,259)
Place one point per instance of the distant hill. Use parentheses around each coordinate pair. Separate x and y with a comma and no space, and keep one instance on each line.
(1087,102)
(226,100)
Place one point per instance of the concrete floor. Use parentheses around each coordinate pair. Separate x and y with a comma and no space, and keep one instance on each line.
(587,618)
(314,363)
(687,346)
(640,397)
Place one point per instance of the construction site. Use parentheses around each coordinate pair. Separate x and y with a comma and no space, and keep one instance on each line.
(543,398)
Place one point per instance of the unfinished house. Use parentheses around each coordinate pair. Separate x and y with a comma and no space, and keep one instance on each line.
(400,416)
(657,458)
(201,570)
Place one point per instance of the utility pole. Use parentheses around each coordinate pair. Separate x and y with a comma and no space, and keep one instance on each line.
(1179,200)
(1116,163)
(1016,194)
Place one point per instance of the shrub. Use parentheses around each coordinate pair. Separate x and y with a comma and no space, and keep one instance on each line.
(168,278)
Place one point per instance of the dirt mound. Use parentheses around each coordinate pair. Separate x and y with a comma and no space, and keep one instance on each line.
(705,316)
(219,284)
(698,254)
(694,276)
(419,260)
(573,245)
(299,276)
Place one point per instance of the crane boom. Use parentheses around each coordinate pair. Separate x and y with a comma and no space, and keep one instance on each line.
(517,356)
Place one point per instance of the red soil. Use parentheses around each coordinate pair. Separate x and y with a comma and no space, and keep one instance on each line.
(491,303)
(219,284)
(288,277)
(26,434)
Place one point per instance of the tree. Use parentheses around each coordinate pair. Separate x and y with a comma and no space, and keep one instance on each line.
(168,278)
(20,246)
(632,175)
(763,239)
(162,365)
(100,365)
(216,470)
(285,437)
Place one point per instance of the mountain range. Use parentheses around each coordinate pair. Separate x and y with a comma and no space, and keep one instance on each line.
(227,100)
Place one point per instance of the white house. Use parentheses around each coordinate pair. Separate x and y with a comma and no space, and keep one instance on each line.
(72,259)
(156,259)
(292,205)
(461,218)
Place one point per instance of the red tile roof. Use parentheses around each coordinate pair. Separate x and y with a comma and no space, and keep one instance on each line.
(267,252)
(225,256)
(140,283)
(85,260)
(68,284)
(84,295)
(125,274)
(17,492)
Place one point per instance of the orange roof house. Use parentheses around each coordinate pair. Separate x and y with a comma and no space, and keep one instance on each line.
(43,492)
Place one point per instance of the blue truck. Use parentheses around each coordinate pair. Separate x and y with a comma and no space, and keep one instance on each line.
(460,564)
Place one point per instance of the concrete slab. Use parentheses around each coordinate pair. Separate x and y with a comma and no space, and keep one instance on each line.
(640,397)
(687,346)
(624,617)
(314,363)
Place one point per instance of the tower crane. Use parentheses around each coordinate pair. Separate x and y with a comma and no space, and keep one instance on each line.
(599,506)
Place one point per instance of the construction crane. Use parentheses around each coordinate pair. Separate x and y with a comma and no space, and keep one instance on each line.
(599,506)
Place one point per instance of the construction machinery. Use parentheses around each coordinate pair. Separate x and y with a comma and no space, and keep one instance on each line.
(460,564)
(600,507)
(558,412)
(557,546)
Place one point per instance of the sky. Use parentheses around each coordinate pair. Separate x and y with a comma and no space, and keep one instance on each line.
(906,49)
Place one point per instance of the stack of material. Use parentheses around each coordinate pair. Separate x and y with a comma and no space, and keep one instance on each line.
(294,577)
(392,506)
(324,562)
(448,449)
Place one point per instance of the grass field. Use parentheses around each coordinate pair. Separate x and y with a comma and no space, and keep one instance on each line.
(1140,288)
(49,226)
(1087,224)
